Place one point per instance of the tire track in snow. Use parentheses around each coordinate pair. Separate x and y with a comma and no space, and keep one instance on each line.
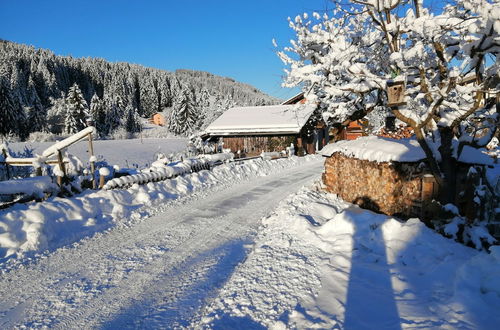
(151,267)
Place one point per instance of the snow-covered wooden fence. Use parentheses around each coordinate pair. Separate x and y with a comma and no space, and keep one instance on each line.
(54,150)
(24,190)
(160,171)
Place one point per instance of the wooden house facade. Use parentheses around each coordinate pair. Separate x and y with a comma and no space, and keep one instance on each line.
(158,118)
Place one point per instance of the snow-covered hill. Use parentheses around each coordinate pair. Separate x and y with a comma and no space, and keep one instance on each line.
(35,82)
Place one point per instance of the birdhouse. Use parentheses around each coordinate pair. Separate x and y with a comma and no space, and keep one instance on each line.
(395,93)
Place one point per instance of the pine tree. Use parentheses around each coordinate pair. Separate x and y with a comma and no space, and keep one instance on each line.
(98,114)
(132,121)
(37,116)
(7,109)
(56,114)
(77,112)
(184,114)
(114,115)
(70,123)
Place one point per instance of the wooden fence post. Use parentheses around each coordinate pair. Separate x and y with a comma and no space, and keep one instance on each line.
(7,172)
(92,163)
(60,161)
(102,179)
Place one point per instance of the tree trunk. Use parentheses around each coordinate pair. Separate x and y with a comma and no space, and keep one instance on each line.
(448,165)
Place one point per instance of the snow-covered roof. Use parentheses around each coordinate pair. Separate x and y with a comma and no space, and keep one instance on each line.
(381,149)
(283,119)
(378,149)
(294,99)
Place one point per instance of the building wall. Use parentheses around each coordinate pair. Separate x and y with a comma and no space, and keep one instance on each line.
(158,119)
(390,188)
(253,145)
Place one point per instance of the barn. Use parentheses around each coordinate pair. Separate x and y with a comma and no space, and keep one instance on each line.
(250,130)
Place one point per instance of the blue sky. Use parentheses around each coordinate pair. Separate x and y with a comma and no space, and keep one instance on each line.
(227,38)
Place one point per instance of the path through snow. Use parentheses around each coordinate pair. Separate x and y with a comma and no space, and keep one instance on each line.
(157,272)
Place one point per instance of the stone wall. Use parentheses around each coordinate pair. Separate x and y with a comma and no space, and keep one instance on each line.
(390,188)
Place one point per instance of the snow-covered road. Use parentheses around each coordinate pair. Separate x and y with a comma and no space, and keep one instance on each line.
(157,272)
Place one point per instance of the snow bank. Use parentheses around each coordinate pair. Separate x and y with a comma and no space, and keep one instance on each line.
(378,149)
(319,262)
(35,227)
(221,157)
(35,186)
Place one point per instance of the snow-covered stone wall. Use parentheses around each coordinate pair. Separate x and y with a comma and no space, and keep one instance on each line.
(392,188)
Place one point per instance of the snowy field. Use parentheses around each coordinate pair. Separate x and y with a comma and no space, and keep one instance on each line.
(125,153)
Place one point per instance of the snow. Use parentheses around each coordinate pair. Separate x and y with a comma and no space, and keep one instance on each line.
(380,149)
(35,186)
(52,150)
(104,171)
(221,157)
(285,119)
(472,155)
(377,149)
(315,261)
(319,262)
(125,153)
(35,227)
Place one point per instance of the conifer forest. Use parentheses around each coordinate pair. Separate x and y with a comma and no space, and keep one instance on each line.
(43,92)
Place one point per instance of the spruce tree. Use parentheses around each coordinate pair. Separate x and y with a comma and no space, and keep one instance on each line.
(56,114)
(7,109)
(98,114)
(37,116)
(183,117)
(132,120)
(114,115)
(77,110)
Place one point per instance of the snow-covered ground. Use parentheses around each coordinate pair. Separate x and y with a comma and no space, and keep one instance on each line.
(159,261)
(253,245)
(125,153)
(37,227)
(319,262)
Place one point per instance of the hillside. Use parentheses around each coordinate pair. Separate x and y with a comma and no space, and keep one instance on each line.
(35,83)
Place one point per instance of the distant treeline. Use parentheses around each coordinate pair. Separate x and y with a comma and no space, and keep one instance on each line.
(38,91)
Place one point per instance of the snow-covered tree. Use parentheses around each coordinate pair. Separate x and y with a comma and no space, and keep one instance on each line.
(77,112)
(345,61)
(37,116)
(132,121)
(114,115)
(98,114)
(7,109)
(184,115)
(56,113)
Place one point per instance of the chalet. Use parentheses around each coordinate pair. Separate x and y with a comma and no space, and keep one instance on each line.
(251,130)
(352,131)
(158,118)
